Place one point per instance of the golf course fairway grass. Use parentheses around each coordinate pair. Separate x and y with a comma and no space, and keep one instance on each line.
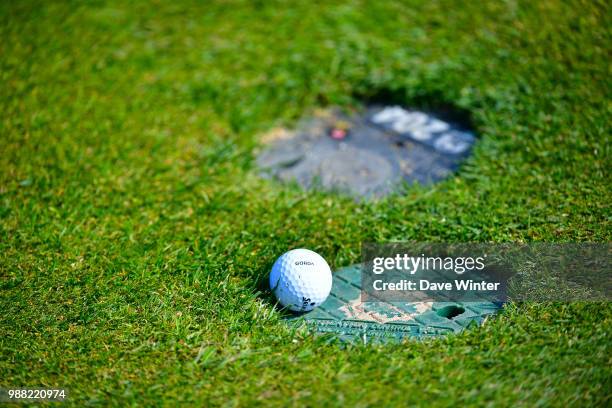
(136,236)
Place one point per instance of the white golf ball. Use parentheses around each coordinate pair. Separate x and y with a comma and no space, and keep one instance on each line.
(301,280)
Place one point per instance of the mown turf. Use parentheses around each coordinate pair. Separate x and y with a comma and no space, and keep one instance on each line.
(136,237)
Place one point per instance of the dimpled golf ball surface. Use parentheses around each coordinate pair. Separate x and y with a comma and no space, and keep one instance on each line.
(301,280)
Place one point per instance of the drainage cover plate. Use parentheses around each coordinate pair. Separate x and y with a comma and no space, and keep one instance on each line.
(369,154)
(347,318)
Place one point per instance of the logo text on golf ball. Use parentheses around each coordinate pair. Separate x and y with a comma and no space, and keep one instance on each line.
(306,302)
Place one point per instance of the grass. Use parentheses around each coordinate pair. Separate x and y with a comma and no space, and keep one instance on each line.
(136,237)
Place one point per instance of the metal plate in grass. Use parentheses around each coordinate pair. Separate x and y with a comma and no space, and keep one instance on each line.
(347,318)
(366,154)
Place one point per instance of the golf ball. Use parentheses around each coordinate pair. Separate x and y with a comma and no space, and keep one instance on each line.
(301,280)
